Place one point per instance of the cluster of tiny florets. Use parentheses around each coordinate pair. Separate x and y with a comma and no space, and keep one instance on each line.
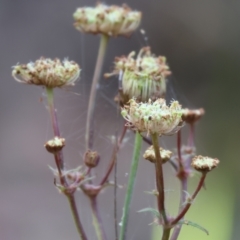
(109,20)
(153,117)
(47,72)
(204,164)
(143,77)
(149,154)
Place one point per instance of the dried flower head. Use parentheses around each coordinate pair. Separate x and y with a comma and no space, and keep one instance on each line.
(143,78)
(55,145)
(109,20)
(47,72)
(150,154)
(192,116)
(204,164)
(91,158)
(154,117)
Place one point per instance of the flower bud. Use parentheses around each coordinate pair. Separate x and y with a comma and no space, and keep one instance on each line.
(153,117)
(91,158)
(192,116)
(150,154)
(47,72)
(143,78)
(55,145)
(204,164)
(108,20)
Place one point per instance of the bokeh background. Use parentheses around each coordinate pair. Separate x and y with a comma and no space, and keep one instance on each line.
(201,41)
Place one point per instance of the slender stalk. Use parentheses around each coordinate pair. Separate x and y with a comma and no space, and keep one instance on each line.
(166,233)
(60,166)
(131,181)
(185,209)
(76,218)
(191,135)
(97,221)
(159,178)
(92,98)
(177,229)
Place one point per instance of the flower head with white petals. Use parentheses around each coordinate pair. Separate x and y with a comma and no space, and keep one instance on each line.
(154,117)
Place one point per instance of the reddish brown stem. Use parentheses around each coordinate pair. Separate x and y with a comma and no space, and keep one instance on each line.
(185,209)
(159,178)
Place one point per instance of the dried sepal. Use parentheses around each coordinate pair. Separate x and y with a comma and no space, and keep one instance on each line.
(204,164)
(47,72)
(150,155)
(55,145)
(109,20)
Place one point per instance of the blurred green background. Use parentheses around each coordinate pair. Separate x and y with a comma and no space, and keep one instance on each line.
(201,42)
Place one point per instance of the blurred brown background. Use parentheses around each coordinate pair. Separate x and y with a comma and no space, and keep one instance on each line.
(201,41)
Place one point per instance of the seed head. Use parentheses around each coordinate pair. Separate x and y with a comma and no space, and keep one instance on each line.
(55,145)
(109,20)
(91,158)
(192,116)
(150,154)
(153,117)
(47,72)
(143,77)
(204,164)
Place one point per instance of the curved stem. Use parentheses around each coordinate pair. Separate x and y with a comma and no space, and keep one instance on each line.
(92,99)
(159,178)
(131,181)
(185,209)
(97,221)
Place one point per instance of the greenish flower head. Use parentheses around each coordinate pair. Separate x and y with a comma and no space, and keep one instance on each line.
(109,20)
(153,117)
(143,77)
(47,72)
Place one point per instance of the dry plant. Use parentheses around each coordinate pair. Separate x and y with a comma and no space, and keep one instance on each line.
(141,96)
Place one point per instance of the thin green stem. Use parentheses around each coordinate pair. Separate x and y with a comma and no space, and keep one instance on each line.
(131,181)
(93,93)
(159,178)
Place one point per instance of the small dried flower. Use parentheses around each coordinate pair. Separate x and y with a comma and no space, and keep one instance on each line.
(55,145)
(153,117)
(150,154)
(91,158)
(143,78)
(109,20)
(47,72)
(204,164)
(192,116)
